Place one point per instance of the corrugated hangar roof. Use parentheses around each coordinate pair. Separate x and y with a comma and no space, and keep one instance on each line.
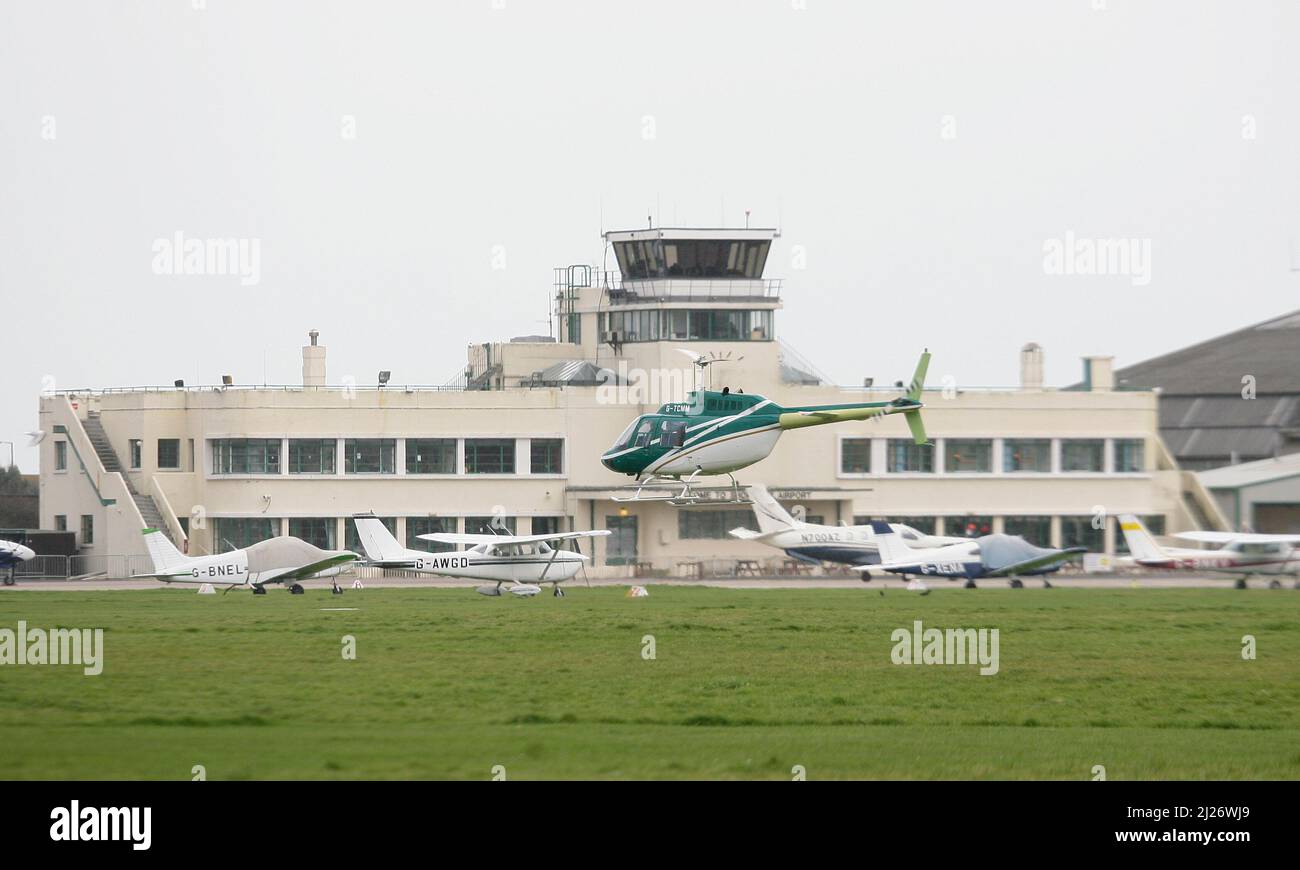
(1268,351)
(1204,418)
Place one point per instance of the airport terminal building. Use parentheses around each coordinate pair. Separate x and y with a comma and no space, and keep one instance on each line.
(519,437)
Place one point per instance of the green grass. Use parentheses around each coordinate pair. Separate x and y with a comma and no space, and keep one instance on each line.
(746,684)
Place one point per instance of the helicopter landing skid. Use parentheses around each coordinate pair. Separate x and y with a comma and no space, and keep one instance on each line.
(684,493)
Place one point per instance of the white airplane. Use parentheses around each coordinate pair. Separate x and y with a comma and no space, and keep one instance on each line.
(1243,553)
(810,542)
(522,561)
(11,553)
(283,560)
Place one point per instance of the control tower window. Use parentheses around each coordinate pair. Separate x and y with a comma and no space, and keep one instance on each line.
(692,258)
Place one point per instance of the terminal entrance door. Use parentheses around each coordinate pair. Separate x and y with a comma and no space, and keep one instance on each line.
(620,546)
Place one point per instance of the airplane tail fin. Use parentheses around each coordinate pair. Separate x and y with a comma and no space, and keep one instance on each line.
(914,422)
(891,545)
(1139,540)
(163,552)
(378,543)
(771,516)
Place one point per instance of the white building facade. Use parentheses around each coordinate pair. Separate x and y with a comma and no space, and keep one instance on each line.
(517,443)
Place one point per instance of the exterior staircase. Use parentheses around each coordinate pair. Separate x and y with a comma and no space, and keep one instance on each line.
(153,518)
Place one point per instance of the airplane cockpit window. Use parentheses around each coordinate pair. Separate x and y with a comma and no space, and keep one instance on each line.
(543,547)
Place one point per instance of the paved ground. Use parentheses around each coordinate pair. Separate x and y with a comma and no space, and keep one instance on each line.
(1136,581)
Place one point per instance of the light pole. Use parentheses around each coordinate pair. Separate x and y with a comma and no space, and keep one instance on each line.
(11,454)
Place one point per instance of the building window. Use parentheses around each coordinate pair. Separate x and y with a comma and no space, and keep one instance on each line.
(924,525)
(370,456)
(699,524)
(1027,454)
(1035,530)
(546,525)
(1082,454)
(416,526)
(855,456)
(493,525)
(237,533)
(312,455)
(430,455)
(169,453)
(1079,532)
(135,452)
(60,455)
(246,456)
(905,455)
(966,455)
(60,522)
(489,456)
(87,529)
(547,455)
(1130,454)
(969,527)
(352,541)
(687,325)
(315,531)
(1155,524)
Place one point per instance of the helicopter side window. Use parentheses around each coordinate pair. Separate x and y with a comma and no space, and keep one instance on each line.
(643,434)
(674,434)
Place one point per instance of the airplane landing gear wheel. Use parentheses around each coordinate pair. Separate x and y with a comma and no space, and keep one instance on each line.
(336,589)
(559,593)
(1240,584)
(259,590)
(296,589)
(1017,583)
(9,579)
(969,584)
(1275,584)
(1047,584)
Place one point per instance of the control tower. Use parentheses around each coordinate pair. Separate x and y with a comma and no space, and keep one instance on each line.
(699,290)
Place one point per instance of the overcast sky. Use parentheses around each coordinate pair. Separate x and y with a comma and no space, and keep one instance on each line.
(411,173)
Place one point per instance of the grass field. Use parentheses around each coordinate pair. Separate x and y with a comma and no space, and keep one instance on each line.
(745,684)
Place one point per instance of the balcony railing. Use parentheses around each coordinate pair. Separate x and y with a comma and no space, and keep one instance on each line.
(639,290)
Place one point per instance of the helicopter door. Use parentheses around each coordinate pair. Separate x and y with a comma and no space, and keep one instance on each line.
(674,434)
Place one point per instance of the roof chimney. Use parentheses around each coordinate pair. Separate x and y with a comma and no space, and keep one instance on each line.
(1031,366)
(313,362)
(1099,373)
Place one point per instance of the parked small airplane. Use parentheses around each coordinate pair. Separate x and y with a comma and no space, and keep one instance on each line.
(11,553)
(523,561)
(1243,553)
(1008,556)
(714,433)
(810,542)
(283,560)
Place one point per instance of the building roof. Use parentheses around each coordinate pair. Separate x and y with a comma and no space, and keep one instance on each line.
(576,373)
(1268,351)
(1205,418)
(1248,473)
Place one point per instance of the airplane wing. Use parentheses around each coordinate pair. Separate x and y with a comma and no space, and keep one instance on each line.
(307,570)
(472,540)
(1037,562)
(1237,537)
